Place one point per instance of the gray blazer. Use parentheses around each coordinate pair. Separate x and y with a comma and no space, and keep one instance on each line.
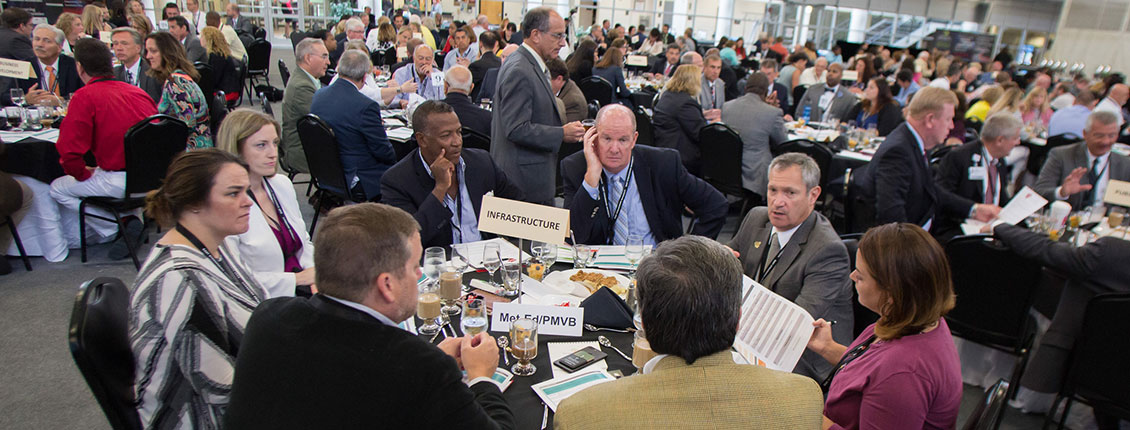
(194,49)
(812,272)
(243,25)
(526,129)
(297,96)
(760,126)
(1061,161)
(147,83)
(841,104)
(719,95)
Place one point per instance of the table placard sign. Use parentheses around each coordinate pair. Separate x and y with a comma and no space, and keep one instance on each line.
(637,60)
(15,69)
(418,36)
(552,320)
(1117,193)
(105,36)
(524,220)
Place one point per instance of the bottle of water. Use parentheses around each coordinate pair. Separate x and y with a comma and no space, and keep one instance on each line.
(807,114)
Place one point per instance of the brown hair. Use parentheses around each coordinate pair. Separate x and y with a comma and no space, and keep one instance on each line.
(913,276)
(140,23)
(188,183)
(173,57)
(612,57)
(66,23)
(358,243)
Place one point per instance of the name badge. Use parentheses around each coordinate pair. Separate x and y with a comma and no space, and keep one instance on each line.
(977,173)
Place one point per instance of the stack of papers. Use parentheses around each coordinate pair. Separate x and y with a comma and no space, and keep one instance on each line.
(1026,202)
(400,133)
(553,391)
(773,332)
(473,252)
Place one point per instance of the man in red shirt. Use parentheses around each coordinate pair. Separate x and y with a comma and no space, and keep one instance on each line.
(98,117)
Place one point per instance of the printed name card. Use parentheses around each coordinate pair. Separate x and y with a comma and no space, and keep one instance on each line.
(524,220)
(15,68)
(105,36)
(637,60)
(1117,193)
(401,51)
(552,320)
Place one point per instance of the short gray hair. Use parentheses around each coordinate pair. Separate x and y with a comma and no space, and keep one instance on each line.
(536,19)
(59,36)
(1100,116)
(306,47)
(1000,125)
(133,33)
(354,65)
(688,57)
(463,82)
(354,24)
(809,170)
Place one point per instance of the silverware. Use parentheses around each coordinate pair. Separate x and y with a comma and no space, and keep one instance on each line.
(544,415)
(503,342)
(441,330)
(591,327)
(605,342)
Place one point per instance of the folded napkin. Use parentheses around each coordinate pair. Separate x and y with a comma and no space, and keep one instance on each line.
(606,309)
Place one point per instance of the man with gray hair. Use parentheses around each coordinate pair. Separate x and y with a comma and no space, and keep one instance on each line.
(127,44)
(690,299)
(761,126)
(975,174)
(713,93)
(793,250)
(429,82)
(356,121)
(482,23)
(1079,173)
(312,59)
(354,30)
(458,88)
(58,76)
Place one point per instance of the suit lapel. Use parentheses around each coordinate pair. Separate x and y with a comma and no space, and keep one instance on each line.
(791,250)
(642,171)
(541,77)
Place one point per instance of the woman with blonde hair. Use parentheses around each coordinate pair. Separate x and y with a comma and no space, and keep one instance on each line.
(1009,103)
(181,97)
(678,115)
(1035,107)
(225,71)
(275,247)
(92,20)
(381,38)
(72,28)
(140,23)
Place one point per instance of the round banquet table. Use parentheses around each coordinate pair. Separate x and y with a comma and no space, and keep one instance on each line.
(524,403)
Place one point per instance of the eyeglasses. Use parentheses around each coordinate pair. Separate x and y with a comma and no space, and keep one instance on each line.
(557,36)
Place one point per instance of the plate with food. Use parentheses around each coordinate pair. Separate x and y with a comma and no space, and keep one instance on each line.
(583,282)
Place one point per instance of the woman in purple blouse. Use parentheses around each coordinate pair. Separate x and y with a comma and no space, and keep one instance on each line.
(903,371)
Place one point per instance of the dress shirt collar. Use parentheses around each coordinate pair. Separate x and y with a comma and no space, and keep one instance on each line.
(917,138)
(317,83)
(1103,159)
(537,58)
(134,70)
(54,66)
(784,236)
(370,311)
(428,168)
(650,365)
(832,89)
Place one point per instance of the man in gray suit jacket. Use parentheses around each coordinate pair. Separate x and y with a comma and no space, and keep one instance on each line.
(1079,173)
(238,22)
(178,27)
(794,251)
(760,126)
(127,44)
(829,97)
(713,94)
(526,130)
(312,59)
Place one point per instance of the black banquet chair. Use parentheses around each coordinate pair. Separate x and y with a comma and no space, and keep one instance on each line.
(644,127)
(1037,155)
(863,317)
(99,342)
(596,88)
(16,239)
(258,64)
(150,146)
(284,72)
(822,154)
(324,158)
(990,410)
(722,163)
(474,139)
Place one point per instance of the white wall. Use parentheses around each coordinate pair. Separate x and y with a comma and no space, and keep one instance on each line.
(1091,47)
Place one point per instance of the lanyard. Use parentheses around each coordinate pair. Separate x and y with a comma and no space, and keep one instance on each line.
(228,271)
(416,78)
(457,225)
(764,269)
(847,358)
(283,224)
(614,215)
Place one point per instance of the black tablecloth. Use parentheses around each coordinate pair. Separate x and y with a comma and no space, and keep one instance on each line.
(33,158)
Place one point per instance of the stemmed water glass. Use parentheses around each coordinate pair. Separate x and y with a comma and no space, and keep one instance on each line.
(492,260)
(548,255)
(434,260)
(459,263)
(633,250)
(511,274)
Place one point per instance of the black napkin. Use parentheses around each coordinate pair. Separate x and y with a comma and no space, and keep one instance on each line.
(606,309)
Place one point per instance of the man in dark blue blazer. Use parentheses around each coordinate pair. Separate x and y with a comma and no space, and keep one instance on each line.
(356,121)
(15,44)
(47,42)
(458,86)
(442,184)
(615,189)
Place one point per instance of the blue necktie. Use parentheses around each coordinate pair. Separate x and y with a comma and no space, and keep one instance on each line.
(621,229)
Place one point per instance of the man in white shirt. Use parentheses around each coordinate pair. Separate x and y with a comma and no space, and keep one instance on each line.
(1114,101)
(238,51)
(1079,173)
(194,15)
(953,74)
(481,24)
(815,74)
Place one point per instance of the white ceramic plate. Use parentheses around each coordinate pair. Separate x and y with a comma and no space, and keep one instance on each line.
(560,283)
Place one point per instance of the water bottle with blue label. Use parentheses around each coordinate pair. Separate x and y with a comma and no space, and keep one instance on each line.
(807,114)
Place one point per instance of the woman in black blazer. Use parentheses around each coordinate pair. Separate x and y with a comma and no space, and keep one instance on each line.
(609,69)
(878,107)
(225,76)
(678,115)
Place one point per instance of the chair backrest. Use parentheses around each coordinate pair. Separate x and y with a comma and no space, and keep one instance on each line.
(377,57)
(996,287)
(863,316)
(974,123)
(1098,368)
(217,112)
(284,72)
(474,139)
(266,105)
(596,88)
(322,153)
(404,147)
(259,33)
(644,128)
(440,57)
(295,37)
(987,415)
(99,341)
(798,93)
(1039,154)
(722,158)
(820,153)
(490,82)
(390,57)
(207,81)
(150,146)
(258,56)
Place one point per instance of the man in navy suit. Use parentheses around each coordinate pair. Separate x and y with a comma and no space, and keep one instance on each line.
(15,44)
(615,189)
(58,76)
(442,183)
(975,174)
(356,121)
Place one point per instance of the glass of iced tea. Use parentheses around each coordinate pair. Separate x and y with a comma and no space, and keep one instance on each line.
(428,308)
(524,345)
(450,288)
(588,123)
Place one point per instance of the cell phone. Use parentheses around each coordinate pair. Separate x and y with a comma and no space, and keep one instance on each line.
(580,359)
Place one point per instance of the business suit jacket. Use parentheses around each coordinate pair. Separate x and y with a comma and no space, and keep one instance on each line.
(470,115)
(841,103)
(890,116)
(490,83)
(730,77)
(952,178)
(677,121)
(15,46)
(479,69)
(526,128)
(576,106)
(659,67)
(719,99)
(241,25)
(194,49)
(615,76)
(317,363)
(760,126)
(1095,268)
(665,187)
(147,83)
(782,95)
(408,186)
(901,185)
(1062,160)
(356,121)
(66,78)
(297,96)
(714,393)
(260,250)
(812,272)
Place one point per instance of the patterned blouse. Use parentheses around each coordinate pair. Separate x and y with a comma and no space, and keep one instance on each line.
(186,323)
(183,99)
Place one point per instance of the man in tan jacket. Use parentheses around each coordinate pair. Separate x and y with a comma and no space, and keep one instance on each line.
(690,296)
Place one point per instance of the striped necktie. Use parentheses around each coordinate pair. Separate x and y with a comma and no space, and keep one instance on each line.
(621,229)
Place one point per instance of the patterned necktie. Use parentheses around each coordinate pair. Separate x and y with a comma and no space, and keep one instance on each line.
(620,230)
(129,76)
(990,196)
(51,81)
(1093,176)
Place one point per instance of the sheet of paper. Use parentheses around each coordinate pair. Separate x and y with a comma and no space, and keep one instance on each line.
(553,391)
(564,254)
(393,122)
(1024,203)
(388,113)
(473,251)
(50,135)
(561,349)
(612,257)
(855,155)
(402,133)
(971,226)
(773,331)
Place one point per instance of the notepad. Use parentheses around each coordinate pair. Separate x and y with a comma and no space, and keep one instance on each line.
(553,391)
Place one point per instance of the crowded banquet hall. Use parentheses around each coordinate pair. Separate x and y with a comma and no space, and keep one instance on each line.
(271,213)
